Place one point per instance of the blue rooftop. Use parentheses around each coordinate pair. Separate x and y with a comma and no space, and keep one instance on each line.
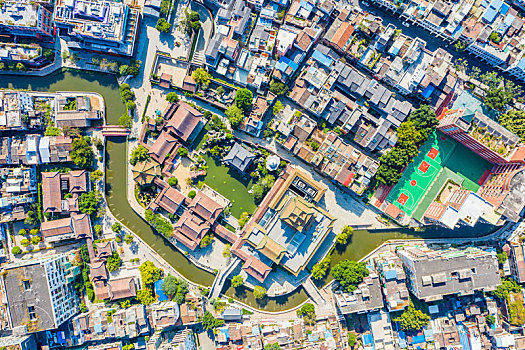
(368,339)
(322,58)
(158,290)
(390,274)
(428,91)
(418,339)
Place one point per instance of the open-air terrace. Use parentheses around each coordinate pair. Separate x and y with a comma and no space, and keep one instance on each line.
(19,13)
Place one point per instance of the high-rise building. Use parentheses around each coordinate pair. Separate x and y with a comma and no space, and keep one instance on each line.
(40,293)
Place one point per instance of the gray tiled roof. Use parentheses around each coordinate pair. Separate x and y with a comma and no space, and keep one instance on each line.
(239,157)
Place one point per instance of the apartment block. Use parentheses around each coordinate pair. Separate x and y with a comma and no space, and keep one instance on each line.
(39,292)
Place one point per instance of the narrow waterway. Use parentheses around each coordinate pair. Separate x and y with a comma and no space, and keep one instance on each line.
(361,243)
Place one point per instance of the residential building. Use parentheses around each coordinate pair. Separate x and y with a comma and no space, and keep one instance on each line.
(18,342)
(105,26)
(38,293)
(366,298)
(432,274)
(18,188)
(165,314)
(393,281)
(76,111)
(517,261)
(461,207)
(31,19)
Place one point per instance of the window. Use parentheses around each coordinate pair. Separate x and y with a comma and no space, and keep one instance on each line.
(27,284)
(31,311)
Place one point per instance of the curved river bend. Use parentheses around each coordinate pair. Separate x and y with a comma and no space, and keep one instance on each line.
(66,80)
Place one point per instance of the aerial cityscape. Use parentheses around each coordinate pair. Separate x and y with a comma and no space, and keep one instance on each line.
(262,174)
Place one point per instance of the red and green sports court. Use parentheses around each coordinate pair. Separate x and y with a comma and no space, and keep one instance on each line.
(439,159)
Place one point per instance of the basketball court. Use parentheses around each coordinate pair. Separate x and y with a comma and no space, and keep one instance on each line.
(420,174)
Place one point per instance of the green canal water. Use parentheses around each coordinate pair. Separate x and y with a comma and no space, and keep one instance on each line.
(361,243)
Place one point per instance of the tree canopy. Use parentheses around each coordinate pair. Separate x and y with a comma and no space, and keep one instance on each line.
(342,238)
(149,272)
(176,288)
(411,134)
(506,287)
(81,152)
(320,269)
(350,274)
(308,313)
(163,26)
(259,292)
(278,88)
(172,97)
(235,115)
(89,201)
(412,319)
(244,100)
(114,262)
(210,322)
(237,281)
(201,76)
(514,121)
(145,296)
(139,154)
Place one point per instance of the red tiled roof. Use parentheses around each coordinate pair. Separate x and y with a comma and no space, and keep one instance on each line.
(162,146)
(168,199)
(205,207)
(56,227)
(122,288)
(182,119)
(51,194)
(81,225)
(192,227)
(256,268)
(78,181)
(98,272)
(342,35)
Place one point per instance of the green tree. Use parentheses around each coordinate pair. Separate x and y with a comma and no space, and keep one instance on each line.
(237,281)
(351,339)
(130,105)
(163,26)
(460,46)
(16,250)
(490,319)
(412,319)
(342,238)
(149,273)
(22,232)
(128,238)
(53,131)
(201,76)
(34,231)
(259,292)
(49,55)
(273,346)
(116,227)
(139,154)
(123,70)
(182,152)
(308,313)
(172,97)
(514,121)
(461,65)
(350,274)
(31,218)
(235,116)
(145,296)
(173,181)
(278,107)
(20,66)
(244,219)
(244,100)
(278,88)
(495,37)
(502,256)
(209,322)
(506,287)
(226,252)
(176,288)
(89,201)
(98,229)
(35,240)
(320,269)
(165,7)
(25,242)
(192,194)
(206,241)
(81,153)
(125,120)
(220,91)
(114,262)
(96,175)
